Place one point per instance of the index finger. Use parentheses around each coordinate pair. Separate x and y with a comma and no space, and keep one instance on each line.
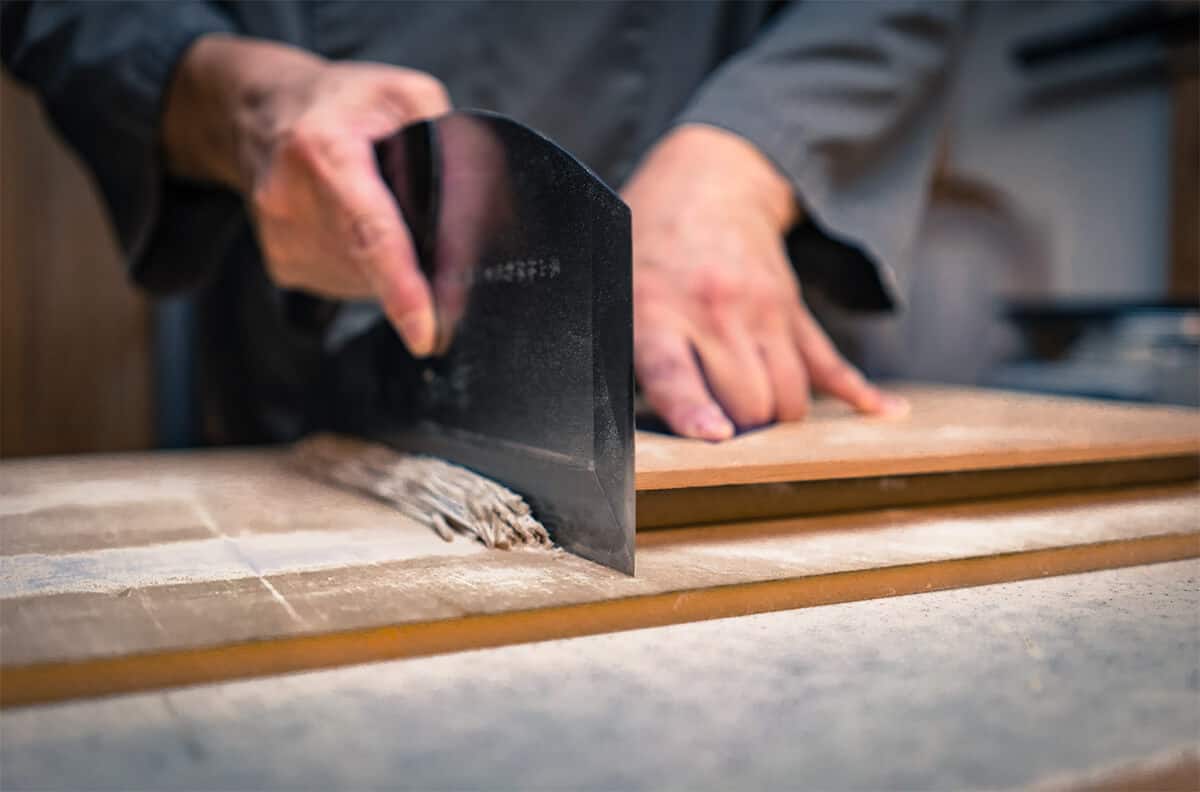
(830,372)
(670,377)
(380,246)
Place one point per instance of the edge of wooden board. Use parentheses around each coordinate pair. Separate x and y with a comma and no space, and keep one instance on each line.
(52,682)
(669,508)
(833,469)
(1180,773)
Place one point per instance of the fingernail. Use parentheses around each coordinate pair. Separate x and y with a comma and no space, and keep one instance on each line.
(894,406)
(417,330)
(711,425)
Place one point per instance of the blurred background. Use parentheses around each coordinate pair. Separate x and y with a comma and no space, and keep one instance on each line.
(1060,251)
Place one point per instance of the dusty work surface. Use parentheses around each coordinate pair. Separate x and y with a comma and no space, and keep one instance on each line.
(141,571)
(136,572)
(950,429)
(1052,682)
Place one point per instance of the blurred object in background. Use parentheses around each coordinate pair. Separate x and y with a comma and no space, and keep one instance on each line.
(75,372)
(1135,352)
(974,248)
(1065,207)
(1139,350)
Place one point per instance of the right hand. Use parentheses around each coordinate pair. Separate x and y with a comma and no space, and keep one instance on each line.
(302,155)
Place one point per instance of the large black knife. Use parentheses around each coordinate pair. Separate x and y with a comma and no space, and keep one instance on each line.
(528,253)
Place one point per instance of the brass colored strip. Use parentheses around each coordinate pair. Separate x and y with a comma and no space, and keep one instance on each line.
(50,682)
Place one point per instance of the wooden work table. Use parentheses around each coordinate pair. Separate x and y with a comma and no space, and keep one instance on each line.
(145,572)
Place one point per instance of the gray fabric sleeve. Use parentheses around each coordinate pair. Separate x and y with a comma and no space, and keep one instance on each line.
(102,70)
(846,99)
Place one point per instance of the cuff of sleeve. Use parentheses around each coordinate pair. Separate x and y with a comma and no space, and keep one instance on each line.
(152,66)
(169,227)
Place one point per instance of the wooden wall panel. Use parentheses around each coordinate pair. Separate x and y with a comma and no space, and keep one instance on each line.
(75,354)
(1184,282)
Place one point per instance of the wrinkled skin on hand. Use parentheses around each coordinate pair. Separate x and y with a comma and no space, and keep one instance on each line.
(722,338)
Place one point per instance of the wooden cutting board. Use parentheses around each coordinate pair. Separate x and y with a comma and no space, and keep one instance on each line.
(949,429)
(957,444)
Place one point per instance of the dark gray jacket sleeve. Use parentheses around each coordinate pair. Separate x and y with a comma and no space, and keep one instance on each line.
(846,98)
(102,70)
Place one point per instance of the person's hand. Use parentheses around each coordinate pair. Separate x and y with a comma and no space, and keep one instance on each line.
(722,339)
(295,134)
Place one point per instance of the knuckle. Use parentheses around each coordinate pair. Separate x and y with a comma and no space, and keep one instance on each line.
(657,363)
(717,290)
(413,91)
(794,408)
(717,295)
(283,273)
(366,234)
(661,369)
(367,237)
(822,368)
(753,410)
(314,146)
(268,200)
(426,86)
(300,143)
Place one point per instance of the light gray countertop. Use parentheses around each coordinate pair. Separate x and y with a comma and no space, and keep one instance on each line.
(998,686)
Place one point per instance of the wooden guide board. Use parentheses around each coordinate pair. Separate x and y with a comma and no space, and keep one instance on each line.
(139,571)
(948,430)
(957,445)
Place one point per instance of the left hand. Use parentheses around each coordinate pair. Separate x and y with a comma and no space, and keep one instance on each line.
(722,338)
